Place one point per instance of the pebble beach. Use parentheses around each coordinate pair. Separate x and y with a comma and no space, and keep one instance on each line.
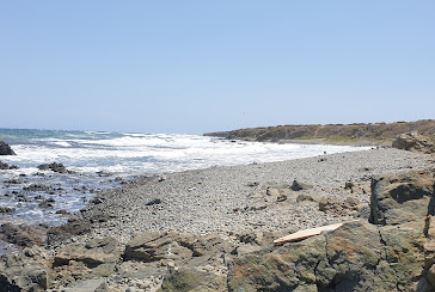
(241,199)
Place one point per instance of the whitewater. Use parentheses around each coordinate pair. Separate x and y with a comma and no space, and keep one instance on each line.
(116,155)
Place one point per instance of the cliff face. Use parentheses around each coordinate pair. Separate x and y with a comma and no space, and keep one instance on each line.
(376,133)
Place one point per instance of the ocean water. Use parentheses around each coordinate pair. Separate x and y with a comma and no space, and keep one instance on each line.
(120,155)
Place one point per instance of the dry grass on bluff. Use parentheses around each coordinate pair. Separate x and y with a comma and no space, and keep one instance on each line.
(358,133)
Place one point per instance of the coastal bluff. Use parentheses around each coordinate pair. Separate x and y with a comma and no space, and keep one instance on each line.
(357,133)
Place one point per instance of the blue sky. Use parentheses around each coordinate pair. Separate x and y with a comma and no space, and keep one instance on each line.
(198,66)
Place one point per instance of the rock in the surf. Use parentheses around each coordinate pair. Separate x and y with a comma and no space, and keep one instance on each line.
(5,149)
(55,167)
(5,166)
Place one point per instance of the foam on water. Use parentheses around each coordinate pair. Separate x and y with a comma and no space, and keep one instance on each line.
(133,153)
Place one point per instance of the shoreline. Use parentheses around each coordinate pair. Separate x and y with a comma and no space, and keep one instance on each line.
(136,235)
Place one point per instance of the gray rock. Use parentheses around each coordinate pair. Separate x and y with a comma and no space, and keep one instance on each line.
(5,149)
(356,257)
(96,252)
(25,271)
(6,210)
(23,235)
(55,167)
(402,198)
(299,186)
(5,166)
(184,280)
(153,202)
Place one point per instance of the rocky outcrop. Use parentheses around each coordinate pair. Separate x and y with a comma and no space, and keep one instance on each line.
(23,235)
(414,142)
(94,253)
(355,257)
(402,198)
(26,271)
(5,149)
(397,253)
(393,251)
(154,246)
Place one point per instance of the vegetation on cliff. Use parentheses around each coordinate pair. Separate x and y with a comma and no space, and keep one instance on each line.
(358,133)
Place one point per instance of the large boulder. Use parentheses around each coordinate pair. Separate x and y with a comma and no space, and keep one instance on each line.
(355,257)
(94,253)
(414,142)
(93,259)
(5,149)
(402,198)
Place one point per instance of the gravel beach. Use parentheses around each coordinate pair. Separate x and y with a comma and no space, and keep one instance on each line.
(256,197)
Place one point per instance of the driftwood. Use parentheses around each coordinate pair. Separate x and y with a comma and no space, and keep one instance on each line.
(306,233)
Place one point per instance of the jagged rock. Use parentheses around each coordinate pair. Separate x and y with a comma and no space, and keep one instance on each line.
(23,235)
(402,198)
(356,257)
(149,247)
(299,186)
(25,271)
(96,252)
(414,142)
(5,149)
(153,246)
(73,227)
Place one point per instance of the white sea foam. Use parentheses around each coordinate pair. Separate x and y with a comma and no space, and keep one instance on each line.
(158,153)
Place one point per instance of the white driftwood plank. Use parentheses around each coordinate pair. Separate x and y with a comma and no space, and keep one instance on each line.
(306,233)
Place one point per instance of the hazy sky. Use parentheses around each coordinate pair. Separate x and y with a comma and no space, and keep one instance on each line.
(197,66)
